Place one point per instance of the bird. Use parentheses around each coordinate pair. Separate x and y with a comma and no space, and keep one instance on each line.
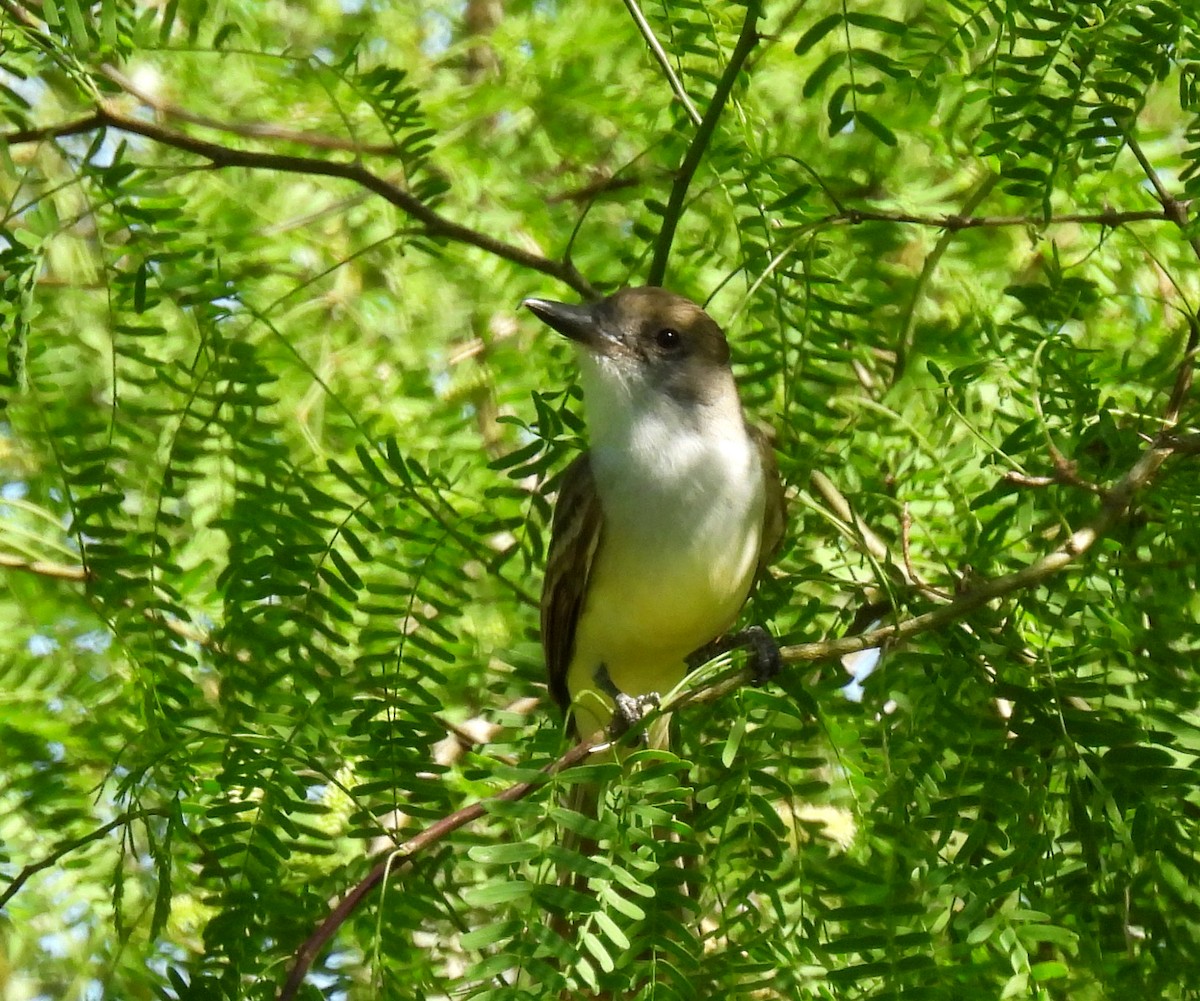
(662,525)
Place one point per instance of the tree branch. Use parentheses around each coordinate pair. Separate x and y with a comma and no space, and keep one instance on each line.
(430,835)
(435,225)
(695,153)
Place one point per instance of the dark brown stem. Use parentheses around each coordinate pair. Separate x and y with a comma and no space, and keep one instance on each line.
(434,224)
(435,832)
(699,144)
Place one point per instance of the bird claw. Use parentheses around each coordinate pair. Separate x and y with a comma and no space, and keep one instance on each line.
(767,662)
(629,711)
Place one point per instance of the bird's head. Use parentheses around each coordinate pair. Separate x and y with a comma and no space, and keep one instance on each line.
(646,344)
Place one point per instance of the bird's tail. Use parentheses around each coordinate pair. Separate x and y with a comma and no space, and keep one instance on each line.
(583,801)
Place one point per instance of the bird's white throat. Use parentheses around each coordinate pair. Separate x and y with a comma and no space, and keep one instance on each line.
(670,473)
(639,434)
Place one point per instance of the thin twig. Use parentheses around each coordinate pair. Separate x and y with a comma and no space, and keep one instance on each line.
(249,130)
(917,580)
(867,540)
(66,847)
(225,156)
(76,573)
(44,568)
(594,189)
(904,342)
(1183,378)
(699,144)
(1108,217)
(1177,212)
(1066,473)
(1022,480)
(1067,470)
(1173,208)
(663,60)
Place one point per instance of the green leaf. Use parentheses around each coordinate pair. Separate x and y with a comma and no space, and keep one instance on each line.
(875,127)
(816,32)
(503,854)
(733,741)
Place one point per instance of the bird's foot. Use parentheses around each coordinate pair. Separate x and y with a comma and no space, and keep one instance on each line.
(767,663)
(628,710)
(764,651)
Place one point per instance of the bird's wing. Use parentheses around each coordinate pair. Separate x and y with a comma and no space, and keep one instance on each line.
(775,508)
(574,539)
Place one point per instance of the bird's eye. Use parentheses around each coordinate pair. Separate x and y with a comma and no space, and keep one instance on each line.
(668,339)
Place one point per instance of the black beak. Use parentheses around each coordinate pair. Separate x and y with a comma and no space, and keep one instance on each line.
(579,323)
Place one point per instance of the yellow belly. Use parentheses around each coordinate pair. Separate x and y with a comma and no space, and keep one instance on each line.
(651,605)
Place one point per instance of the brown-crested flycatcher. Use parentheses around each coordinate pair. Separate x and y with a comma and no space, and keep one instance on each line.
(662,525)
